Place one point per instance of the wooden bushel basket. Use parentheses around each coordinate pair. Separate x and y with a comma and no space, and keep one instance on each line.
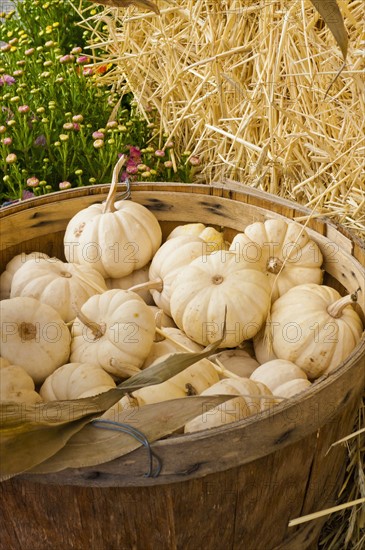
(234,487)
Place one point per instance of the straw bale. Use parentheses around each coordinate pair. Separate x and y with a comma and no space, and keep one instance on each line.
(242,84)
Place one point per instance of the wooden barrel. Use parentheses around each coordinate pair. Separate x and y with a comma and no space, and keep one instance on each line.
(233,487)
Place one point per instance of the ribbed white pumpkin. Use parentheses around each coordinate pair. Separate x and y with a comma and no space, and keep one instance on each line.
(163,347)
(114,330)
(314,328)
(275,373)
(292,387)
(252,398)
(16,385)
(214,239)
(202,290)
(283,251)
(33,336)
(236,361)
(61,285)
(168,261)
(135,278)
(76,380)
(11,267)
(115,238)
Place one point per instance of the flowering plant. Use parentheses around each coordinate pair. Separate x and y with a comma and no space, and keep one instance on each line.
(59,128)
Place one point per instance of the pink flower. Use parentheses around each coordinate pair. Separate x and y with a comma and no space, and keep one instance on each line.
(132,169)
(7,79)
(27,195)
(160,153)
(87,71)
(83,59)
(76,127)
(135,153)
(195,161)
(168,164)
(11,158)
(76,50)
(33,182)
(67,59)
(29,52)
(18,72)
(7,141)
(98,135)
(23,109)
(64,185)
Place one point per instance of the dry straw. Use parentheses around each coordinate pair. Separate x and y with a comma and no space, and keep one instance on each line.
(242,84)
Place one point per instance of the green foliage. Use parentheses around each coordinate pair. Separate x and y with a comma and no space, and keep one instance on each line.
(59,128)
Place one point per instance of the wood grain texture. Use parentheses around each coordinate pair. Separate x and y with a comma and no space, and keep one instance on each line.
(231,484)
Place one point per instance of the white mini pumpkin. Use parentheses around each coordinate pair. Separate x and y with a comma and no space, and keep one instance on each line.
(210,285)
(11,267)
(292,387)
(214,239)
(283,251)
(76,380)
(176,341)
(16,385)
(33,336)
(137,277)
(277,372)
(64,286)
(236,361)
(251,398)
(114,330)
(115,238)
(314,327)
(170,258)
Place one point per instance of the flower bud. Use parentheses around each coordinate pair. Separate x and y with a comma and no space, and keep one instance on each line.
(33,182)
(98,135)
(11,158)
(64,185)
(194,161)
(23,109)
(98,143)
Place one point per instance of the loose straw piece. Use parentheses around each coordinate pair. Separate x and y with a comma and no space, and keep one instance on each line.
(345,439)
(316,515)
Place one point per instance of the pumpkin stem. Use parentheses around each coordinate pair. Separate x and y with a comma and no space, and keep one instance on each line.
(97,330)
(123,370)
(158,322)
(336,309)
(274,265)
(27,331)
(109,203)
(149,285)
